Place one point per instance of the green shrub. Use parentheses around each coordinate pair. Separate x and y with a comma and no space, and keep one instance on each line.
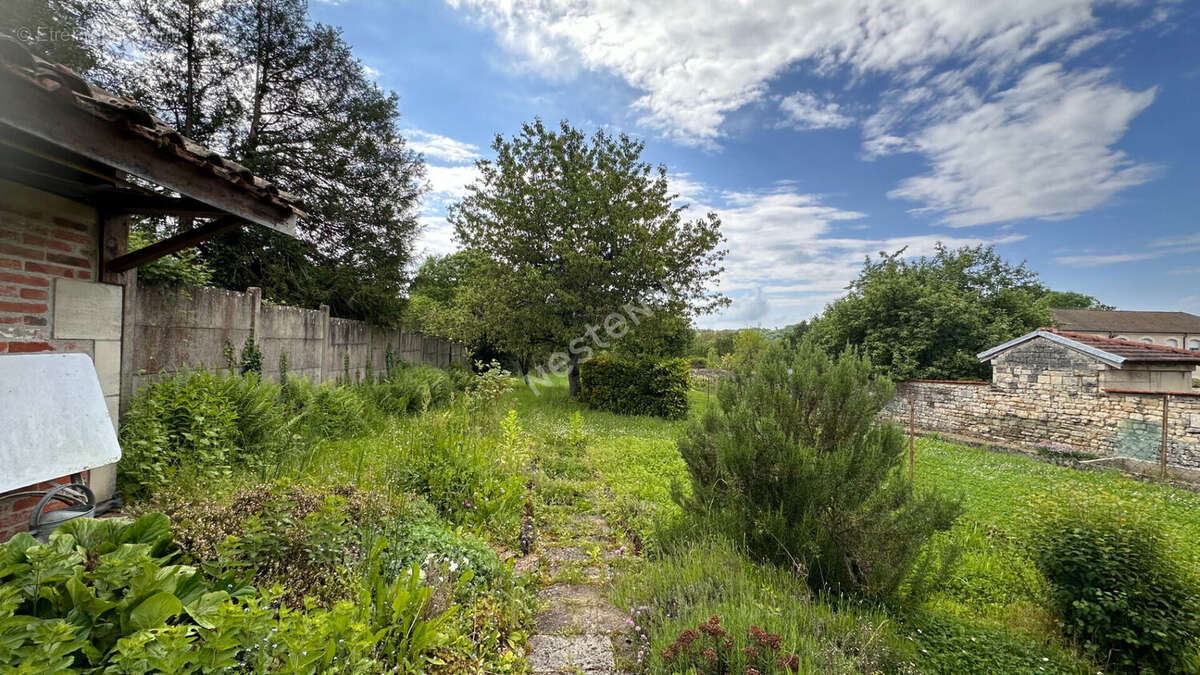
(946,644)
(635,386)
(470,479)
(1118,590)
(794,461)
(183,422)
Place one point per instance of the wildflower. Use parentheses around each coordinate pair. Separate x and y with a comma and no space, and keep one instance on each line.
(790,662)
(751,670)
(710,655)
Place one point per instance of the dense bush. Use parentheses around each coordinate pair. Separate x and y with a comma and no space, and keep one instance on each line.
(794,461)
(635,386)
(1118,590)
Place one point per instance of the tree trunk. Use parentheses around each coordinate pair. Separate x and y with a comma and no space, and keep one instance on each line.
(573,377)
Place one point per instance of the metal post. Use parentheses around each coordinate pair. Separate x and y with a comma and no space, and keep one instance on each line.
(1163,449)
(912,430)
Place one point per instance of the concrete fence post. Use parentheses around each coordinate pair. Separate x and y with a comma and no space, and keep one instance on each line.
(255,294)
(326,336)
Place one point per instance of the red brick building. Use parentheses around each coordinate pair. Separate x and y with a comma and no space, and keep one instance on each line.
(76,164)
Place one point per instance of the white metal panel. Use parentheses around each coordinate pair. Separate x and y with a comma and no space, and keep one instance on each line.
(53,419)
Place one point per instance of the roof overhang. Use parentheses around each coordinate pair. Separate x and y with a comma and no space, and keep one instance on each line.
(76,132)
(1113,360)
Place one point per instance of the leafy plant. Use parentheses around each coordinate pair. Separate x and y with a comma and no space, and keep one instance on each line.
(636,386)
(1117,589)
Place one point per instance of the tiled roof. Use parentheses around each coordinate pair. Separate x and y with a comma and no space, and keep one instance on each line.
(73,92)
(1109,350)
(1131,351)
(1118,321)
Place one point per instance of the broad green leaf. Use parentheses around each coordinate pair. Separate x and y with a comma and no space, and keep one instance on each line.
(205,609)
(155,610)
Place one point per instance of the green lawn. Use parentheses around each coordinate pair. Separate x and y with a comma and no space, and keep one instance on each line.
(987,615)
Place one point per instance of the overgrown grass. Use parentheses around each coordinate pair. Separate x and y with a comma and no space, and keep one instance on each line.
(995,588)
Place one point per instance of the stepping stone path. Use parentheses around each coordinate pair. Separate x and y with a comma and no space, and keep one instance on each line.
(577,629)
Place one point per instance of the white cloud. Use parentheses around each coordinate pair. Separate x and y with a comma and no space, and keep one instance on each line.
(1187,240)
(804,111)
(436,238)
(449,183)
(1099,260)
(697,60)
(437,146)
(790,253)
(1041,149)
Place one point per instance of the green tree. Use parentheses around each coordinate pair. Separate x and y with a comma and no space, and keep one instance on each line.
(1072,300)
(259,82)
(63,31)
(582,227)
(748,346)
(795,462)
(927,317)
(662,335)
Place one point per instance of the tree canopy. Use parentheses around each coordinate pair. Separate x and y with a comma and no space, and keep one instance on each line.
(578,228)
(928,317)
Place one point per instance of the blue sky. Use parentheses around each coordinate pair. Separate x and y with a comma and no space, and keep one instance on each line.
(1063,131)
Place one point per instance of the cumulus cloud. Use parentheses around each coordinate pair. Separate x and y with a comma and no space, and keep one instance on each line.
(804,111)
(790,252)
(439,147)
(1041,149)
(697,60)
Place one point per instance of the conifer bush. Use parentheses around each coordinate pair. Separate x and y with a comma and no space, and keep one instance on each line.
(794,461)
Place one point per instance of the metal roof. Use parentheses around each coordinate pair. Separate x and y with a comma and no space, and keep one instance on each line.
(1119,321)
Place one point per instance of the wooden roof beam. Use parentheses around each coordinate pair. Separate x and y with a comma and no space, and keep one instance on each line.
(174,244)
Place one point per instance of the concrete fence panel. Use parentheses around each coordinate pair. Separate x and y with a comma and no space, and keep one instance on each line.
(189,328)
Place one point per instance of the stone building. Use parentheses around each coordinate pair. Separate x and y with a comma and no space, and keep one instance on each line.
(1095,394)
(1169,329)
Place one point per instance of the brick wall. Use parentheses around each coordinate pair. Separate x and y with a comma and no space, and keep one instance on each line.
(36,249)
(1043,393)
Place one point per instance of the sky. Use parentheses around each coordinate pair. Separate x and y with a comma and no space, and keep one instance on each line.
(1064,132)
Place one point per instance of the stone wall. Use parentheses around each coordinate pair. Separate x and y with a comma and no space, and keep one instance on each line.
(1042,394)
(190,328)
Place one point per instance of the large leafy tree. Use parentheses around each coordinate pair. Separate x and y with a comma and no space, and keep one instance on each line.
(927,317)
(579,227)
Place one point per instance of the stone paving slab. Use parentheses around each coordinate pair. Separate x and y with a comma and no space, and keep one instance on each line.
(584,619)
(557,653)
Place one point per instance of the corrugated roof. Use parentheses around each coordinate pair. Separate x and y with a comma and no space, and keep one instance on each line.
(1120,321)
(72,91)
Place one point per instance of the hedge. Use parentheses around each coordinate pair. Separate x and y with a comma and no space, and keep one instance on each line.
(635,386)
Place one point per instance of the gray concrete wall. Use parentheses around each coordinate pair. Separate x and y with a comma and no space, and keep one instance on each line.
(178,328)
